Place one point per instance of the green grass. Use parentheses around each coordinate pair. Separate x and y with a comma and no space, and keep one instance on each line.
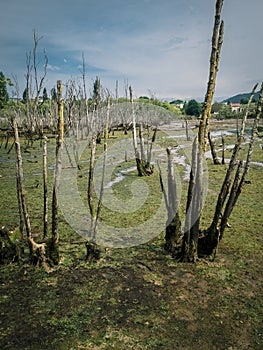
(138,297)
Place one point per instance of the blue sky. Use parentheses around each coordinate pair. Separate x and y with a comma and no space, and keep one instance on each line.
(159,46)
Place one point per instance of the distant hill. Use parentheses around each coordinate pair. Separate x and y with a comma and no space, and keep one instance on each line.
(238,98)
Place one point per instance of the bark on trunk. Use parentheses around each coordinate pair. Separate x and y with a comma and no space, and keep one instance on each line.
(9,252)
(37,251)
(213,233)
(93,251)
(186,130)
(106,135)
(231,201)
(217,40)
(143,167)
(223,149)
(91,186)
(189,204)
(20,181)
(238,183)
(213,151)
(45,188)
(173,234)
(54,248)
(195,189)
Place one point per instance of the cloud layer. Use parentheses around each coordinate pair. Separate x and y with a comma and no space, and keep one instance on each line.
(162,46)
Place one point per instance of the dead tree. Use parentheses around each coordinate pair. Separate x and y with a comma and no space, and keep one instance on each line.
(240,177)
(223,149)
(211,236)
(45,188)
(186,130)
(83,72)
(190,241)
(144,167)
(54,251)
(93,250)
(32,74)
(203,243)
(9,251)
(28,77)
(173,235)
(213,151)
(38,81)
(37,251)
(195,189)
(217,41)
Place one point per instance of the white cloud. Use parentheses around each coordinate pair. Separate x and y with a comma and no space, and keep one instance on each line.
(162,46)
(53,68)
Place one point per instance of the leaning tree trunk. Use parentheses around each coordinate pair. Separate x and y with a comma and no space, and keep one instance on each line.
(213,151)
(37,251)
(211,238)
(240,178)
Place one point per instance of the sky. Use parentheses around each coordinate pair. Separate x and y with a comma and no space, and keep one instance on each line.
(162,48)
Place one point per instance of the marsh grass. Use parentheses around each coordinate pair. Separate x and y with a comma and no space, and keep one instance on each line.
(138,297)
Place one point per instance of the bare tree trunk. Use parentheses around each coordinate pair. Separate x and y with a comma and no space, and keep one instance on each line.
(212,234)
(20,182)
(149,153)
(217,40)
(186,130)
(28,76)
(195,189)
(106,133)
(21,221)
(37,251)
(38,84)
(213,151)
(189,204)
(93,251)
(197,201)
(223,149)
(163,188)
(45,188)
(228,178)
(238,185)
(85,94)
(142,143)
(173,228)
(91,184)
(19,179)
(134,135)
(60,137)
(143,167)
(231,201)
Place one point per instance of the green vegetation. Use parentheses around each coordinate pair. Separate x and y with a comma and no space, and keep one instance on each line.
(4,97)
(241,97)
(193,108)
(136,298)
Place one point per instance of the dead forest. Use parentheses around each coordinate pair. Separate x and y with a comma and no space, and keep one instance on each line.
(71,115)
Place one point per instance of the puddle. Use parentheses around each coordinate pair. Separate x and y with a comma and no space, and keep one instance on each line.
(119,177)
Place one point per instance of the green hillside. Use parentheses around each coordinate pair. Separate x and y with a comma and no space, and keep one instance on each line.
(239,97)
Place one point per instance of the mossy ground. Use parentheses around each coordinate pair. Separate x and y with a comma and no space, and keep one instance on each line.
(139,297)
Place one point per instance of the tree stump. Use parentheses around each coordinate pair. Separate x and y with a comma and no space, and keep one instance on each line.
(9,251)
